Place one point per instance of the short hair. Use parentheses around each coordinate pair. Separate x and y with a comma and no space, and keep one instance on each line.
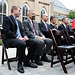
(51,18)
(63,19)
(29,12)
(44,15)
(14,8)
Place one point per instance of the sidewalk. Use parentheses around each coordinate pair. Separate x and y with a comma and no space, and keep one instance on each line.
(41,70)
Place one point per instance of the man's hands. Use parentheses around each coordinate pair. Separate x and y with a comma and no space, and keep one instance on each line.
(23,39)
(43,38)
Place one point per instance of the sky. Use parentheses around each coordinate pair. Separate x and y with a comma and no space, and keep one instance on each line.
(70,4)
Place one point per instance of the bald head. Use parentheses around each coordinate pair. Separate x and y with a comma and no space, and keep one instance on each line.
(31,14)
(45,17)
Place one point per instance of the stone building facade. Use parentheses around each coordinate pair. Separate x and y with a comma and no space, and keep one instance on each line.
(39,6)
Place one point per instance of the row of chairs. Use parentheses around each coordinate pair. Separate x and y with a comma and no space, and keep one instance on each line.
(68,47)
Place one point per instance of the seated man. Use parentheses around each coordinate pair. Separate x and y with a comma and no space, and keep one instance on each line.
(52,23)
(63,26)
(15,37)
(69,27)
(58,38)
(32,30)
(44,26)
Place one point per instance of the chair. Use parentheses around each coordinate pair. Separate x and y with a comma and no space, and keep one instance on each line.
(67,37)
(62,47)
(4,50)
(71,33)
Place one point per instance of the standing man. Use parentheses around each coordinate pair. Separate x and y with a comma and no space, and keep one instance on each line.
(15,37)
(31,28)
(44,26)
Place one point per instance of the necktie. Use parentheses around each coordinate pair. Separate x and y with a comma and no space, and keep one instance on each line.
(46,26)
(34,28)
(18,30)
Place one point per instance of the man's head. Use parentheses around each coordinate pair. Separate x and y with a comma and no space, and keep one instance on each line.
(31,14)
(16,11)
(45,17)
(52,19)
(68,23)
(64,20)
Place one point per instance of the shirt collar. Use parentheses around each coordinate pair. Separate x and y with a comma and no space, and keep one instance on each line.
(43,22)
(13,17)
(64,25)
(30,20)
(52,24)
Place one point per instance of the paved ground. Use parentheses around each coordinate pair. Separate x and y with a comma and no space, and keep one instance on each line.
(41,70)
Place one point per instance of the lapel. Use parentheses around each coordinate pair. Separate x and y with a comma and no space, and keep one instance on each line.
(36,26)
(52,26)
(13,20)
(31,26)
(64,27)
(44,25)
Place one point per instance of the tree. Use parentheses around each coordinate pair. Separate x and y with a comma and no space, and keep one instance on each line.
(71,14)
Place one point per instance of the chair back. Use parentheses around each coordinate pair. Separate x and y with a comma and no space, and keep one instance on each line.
(52,33)
(67,37)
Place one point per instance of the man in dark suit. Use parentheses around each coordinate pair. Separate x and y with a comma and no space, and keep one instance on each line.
(31,28)
(53,27)
(52,23)
(63,26)
(14,36)
(44,26)
(69,27)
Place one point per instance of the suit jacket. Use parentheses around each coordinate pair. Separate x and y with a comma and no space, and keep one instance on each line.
(29,30)
(10,29)
(52,26)
(43,29)
(61,27)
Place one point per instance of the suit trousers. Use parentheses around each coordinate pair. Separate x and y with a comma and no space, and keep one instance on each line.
(43,46)
(21,45)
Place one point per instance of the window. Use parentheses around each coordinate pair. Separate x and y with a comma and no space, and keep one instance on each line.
(43,11)
(24,12)
(3,8)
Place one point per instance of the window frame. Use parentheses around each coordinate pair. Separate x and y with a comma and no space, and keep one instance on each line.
(2,14)
(41,14)
(25,11)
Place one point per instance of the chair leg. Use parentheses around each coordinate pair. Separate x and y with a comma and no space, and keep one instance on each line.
(72,55)
(52,58)
(63,66)
(3,55)
(7,59)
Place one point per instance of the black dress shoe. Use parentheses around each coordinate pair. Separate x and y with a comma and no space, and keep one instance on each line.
(30,64)
(20,68)
(45,59)
(38,62)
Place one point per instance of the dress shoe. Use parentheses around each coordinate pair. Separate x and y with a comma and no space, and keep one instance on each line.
(44,58)
(20,68)
(30,64)
(38,62)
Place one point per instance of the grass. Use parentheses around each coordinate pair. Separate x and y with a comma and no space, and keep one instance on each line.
(1,42)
